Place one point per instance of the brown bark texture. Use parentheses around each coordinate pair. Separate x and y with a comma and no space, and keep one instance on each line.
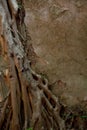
(29,103)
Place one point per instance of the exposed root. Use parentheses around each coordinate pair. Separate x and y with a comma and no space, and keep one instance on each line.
(30,103)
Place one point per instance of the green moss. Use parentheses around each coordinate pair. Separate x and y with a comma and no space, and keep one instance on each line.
(20,5)
(44,76)
(30,129)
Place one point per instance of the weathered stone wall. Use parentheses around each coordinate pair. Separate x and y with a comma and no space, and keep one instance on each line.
(58,30)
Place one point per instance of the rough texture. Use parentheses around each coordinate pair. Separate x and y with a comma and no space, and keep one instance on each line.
(28,90)
(29,102)
(59,35)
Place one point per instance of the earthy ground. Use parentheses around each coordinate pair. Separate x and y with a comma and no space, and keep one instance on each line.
(58,29)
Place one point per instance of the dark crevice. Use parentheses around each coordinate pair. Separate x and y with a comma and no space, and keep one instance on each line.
(18,78)
(43,81)
(50,100)
(22,117)
(35,77)
(9,8)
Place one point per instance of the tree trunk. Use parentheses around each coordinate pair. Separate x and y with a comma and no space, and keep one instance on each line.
(30,103)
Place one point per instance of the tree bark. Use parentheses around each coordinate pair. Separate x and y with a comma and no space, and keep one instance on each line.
(30,102)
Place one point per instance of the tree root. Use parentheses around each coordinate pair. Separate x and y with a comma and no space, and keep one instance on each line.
(30,103)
